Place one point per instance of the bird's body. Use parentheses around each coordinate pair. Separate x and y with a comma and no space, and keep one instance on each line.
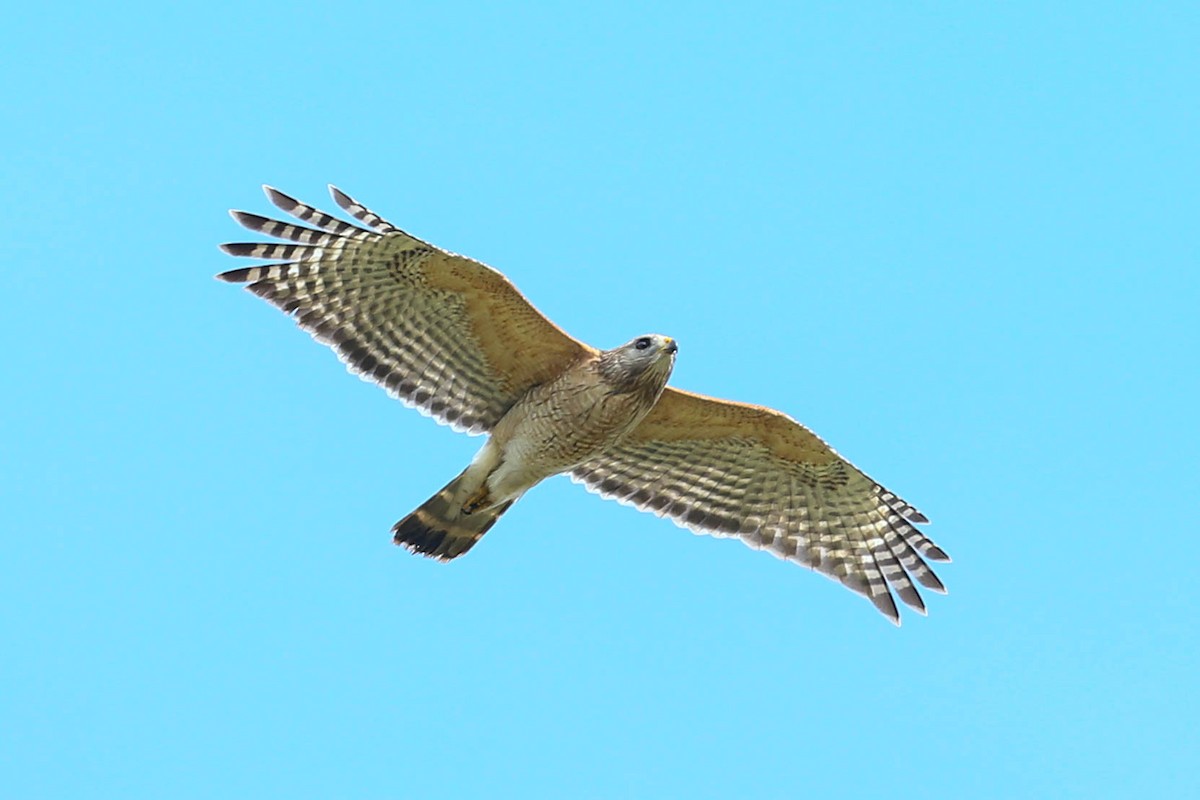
(455,339)
(529,445)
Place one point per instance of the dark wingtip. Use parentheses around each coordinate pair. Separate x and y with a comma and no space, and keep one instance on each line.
(935,553)
(241,249)
(931,581)
(343,200)
(887,607)
(234,275)
(912,598)
(254,222)
(280,200)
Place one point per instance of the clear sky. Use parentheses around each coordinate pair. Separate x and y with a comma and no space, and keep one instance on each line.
(959,241)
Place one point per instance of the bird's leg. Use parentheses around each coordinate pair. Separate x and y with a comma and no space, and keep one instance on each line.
(478,499)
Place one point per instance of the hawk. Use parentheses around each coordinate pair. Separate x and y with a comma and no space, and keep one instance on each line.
(454,338)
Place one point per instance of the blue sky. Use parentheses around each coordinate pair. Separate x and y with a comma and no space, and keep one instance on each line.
(959,242)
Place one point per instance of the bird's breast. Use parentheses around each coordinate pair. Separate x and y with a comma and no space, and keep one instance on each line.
(562,424)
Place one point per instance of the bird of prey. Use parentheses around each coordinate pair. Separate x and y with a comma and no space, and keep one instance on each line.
(455,339)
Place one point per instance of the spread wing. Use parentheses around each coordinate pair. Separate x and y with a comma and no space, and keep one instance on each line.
(730,469)
(443,333)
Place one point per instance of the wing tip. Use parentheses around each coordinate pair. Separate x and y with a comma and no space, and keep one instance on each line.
(234,248)
(249,221)
(935,553)
(284,202)
(887,606)
(929,579)
(239,275)
(343,200)
(912,598)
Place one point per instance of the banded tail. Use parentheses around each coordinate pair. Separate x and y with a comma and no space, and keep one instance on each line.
(440,529)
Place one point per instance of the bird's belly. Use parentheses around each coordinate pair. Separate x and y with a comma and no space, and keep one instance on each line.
(556,439)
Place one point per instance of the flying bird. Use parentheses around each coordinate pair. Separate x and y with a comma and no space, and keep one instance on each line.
(454,338)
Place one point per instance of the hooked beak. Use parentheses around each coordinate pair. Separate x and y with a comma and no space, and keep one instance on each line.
(670,346)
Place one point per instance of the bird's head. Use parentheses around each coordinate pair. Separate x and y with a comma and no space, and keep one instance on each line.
(646,360)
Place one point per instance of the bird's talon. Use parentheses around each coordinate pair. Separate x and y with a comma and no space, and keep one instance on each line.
(476,501)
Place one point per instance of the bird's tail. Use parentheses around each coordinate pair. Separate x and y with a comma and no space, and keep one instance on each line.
(440,528)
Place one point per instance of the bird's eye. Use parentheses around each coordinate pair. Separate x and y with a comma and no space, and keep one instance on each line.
(642,343)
